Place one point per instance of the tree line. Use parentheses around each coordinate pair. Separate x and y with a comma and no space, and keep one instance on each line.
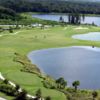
(8,13)
(60,6)
(10,9)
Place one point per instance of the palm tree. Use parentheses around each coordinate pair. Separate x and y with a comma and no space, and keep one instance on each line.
(94,94)
(76,84)
(61,82)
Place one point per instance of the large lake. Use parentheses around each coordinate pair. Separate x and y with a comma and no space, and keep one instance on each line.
(73,63)
(55,17)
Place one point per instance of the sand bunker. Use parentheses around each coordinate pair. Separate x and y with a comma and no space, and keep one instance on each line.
(81,28)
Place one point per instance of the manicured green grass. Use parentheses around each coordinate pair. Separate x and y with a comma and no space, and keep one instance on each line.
(27,19)
(33,39)
(5,96)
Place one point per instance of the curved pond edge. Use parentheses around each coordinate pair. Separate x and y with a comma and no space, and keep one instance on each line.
(88,48)
(92,48)
(90,36)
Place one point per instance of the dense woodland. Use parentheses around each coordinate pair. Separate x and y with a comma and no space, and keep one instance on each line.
(10,8)
(51,6)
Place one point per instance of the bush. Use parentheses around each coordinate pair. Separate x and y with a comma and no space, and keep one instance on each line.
(48,98)
(70,90)
(10,30)
(39,93)
(94,94)
(22,95)
(8,89)
(17,87)
(49,85)
(6,81)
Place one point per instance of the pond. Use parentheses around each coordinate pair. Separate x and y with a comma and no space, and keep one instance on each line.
(55,17)
(93,36)
(73,63)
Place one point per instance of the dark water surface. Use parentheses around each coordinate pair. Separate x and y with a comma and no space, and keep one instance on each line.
(55,17)
(72,63)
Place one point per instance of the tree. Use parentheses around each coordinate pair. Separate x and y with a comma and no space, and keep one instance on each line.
(74,18)
(83,17)
(94,94)
(17,26)
(17,87)
(38,94)
(10,30)
(69,18)
(61,19)
(76,84)
(61,83)
(22,95)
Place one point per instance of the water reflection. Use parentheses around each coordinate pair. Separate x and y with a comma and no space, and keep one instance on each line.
(55,17)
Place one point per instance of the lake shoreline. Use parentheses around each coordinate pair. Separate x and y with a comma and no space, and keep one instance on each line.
(87,48)
(93,20)
(32,13)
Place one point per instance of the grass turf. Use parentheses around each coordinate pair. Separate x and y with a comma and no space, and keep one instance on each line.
(33,39)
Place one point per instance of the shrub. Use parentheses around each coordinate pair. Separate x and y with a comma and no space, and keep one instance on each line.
(6,81)
(22,95)
(94,94)
(8,89)
(39,93)
(48,98)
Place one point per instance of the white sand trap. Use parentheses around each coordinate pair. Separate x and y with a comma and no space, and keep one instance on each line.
(10,34)
(15,33)
(80,28)
(0,35)
(46,29)
(65,28)
(1,77)
(2,98)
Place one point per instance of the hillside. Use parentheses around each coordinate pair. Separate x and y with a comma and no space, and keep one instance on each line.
(11,9)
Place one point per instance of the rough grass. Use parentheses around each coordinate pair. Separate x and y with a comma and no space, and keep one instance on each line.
(33,39)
